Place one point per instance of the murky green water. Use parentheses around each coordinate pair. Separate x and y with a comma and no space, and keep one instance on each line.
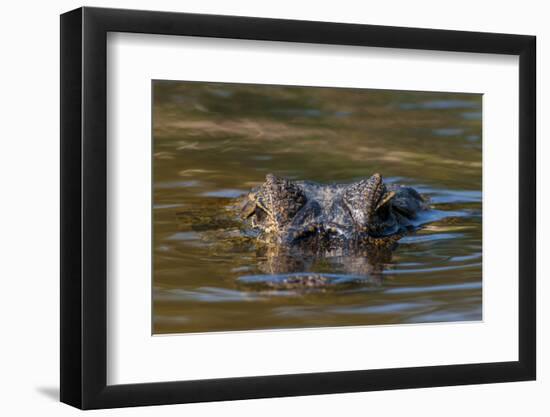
(213,142)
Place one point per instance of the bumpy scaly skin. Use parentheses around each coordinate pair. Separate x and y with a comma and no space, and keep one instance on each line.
(326,217)
(353,225)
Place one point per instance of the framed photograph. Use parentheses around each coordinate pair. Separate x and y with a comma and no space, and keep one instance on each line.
(260,208)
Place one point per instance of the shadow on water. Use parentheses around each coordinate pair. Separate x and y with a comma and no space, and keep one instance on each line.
(214,142)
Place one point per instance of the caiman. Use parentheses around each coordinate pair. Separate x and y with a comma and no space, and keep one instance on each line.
(298,222)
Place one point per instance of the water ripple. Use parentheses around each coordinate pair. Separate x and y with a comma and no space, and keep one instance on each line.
(389,308)
(438,196)
(435,288)
(206,294)
(429,270)
(428,238)
(177,184)
(225,193)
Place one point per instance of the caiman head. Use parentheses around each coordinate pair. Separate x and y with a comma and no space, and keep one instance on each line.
(324,216)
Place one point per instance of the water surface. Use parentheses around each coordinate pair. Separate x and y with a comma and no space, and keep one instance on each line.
(212,142)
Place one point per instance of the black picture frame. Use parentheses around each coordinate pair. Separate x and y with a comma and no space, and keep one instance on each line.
(84,207)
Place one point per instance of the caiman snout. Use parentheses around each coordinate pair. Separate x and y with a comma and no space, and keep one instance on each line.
(319,232)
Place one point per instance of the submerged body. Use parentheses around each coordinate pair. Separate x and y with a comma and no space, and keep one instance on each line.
(301,221)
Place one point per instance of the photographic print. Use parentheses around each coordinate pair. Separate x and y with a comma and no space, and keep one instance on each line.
(291,207)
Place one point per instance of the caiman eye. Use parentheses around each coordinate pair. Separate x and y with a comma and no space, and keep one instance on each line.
(280,198)
(260,214)
(366,199)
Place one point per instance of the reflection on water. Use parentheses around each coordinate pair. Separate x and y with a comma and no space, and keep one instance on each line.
(214,141)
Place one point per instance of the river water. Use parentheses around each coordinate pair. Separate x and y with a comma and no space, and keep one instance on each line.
(213,142)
